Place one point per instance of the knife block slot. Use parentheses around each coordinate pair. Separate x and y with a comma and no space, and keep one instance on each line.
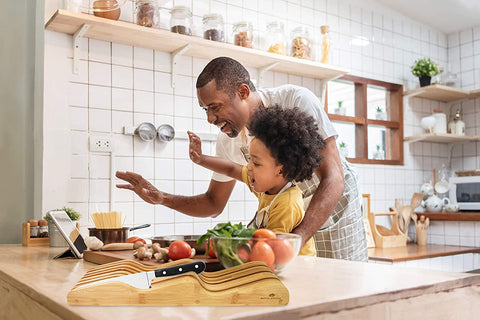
(252,283)
(32,242)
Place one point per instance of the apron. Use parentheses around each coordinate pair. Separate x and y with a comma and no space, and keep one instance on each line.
(260,220)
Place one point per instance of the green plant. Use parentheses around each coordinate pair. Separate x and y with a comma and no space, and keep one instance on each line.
(379,109)
(425,67)
(378,147)
(340,103)
(342,144)
(72,213)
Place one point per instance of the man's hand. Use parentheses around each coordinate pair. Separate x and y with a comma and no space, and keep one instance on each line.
(195,147)
(140,186)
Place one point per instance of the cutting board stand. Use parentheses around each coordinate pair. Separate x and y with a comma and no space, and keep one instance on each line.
(252,283)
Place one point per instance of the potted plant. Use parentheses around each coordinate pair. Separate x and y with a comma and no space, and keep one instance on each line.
(424,69)
(56,239)
(340,110)
(380,114)
(343,149)
(379,154)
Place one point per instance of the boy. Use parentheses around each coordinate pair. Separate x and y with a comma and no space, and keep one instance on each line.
(284,151)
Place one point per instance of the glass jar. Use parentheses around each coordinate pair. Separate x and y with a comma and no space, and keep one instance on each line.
(33,228)
(213,28)
(301,45)
(42,228)
(181,20)
(276,40)
(326,44)
(147,13)
(243,34)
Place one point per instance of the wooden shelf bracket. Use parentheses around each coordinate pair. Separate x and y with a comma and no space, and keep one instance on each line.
(173,61)
(76,45)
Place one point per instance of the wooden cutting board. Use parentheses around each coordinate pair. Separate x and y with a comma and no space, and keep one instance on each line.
(102,257)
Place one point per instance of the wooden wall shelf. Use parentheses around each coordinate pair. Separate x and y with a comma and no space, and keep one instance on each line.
(439,93)
(441,138)
(456,216)
(414,252)
(164,40)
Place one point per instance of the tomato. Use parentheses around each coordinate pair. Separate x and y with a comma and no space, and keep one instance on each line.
(264,233)
(243,253)
(179,250)
(261,251)
(283,251)
(135,239)
(209,249)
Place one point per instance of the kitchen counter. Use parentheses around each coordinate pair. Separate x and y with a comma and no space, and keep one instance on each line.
(34,286)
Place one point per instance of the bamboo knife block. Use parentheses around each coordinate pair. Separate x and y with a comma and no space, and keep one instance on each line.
(249,284)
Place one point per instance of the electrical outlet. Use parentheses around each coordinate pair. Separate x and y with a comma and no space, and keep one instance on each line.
(100,144)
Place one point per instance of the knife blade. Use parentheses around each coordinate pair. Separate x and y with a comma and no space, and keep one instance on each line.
(143,280)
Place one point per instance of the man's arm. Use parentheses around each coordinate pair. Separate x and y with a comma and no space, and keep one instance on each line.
(209,204)
(328,192)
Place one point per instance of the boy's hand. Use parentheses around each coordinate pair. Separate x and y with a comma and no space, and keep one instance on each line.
(195,148)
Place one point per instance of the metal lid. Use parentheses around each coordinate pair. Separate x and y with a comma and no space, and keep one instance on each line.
(181,9)
(212,16)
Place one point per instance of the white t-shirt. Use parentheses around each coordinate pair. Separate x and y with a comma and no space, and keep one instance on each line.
(287,96)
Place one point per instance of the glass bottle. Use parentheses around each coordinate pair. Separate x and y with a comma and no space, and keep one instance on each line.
(301,45)
(213,28)
(42,228)
(326,44)
(459,125)
(181,20)
(276,40)
(147,13)
(33,228)
(243,34)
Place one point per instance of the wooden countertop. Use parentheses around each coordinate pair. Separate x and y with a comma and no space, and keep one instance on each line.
(32,280)
(415,252)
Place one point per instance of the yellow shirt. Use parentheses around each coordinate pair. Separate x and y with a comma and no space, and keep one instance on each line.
(286,212)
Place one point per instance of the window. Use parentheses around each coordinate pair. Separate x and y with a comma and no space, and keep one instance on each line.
(368,117)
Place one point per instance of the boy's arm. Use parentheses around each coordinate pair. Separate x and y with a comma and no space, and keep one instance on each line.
(216,164)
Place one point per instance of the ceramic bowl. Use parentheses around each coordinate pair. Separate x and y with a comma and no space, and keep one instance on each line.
(451,208)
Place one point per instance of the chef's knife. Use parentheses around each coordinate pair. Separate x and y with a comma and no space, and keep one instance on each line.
(143,280)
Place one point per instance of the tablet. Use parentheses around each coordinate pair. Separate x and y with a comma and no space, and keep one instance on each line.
(69,231)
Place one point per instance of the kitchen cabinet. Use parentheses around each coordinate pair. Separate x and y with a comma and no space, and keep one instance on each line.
(446,94)
(80,24)
(33,285)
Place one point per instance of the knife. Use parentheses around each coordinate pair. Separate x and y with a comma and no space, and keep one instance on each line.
(143,280)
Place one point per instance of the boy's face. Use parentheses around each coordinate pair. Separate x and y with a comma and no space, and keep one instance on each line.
(265,173)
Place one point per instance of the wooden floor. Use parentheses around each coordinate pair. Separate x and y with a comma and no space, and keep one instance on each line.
(415,252)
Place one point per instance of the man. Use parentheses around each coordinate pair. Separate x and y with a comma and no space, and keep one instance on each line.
(332,203)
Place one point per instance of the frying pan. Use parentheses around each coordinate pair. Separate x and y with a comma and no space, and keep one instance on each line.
(117,235)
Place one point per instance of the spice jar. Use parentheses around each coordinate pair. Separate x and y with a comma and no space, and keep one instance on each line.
(326,44)
(243,34)
(213,28)
(42,228)
(181,20)
(276,40)
(301,45)
(147,13)
(33,228)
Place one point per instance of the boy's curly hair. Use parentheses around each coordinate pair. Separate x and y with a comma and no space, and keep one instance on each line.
(292,137)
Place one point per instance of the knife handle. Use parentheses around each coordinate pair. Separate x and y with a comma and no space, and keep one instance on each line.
(196,266)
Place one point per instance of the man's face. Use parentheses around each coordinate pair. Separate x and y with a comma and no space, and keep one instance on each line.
(263,169)
(228,114)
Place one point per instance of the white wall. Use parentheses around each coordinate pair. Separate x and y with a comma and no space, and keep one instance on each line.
(120,85)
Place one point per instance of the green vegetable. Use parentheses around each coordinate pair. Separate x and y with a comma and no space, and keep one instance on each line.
(226,246)
(74,215)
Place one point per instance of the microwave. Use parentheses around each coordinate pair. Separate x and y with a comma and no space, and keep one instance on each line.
(465,191)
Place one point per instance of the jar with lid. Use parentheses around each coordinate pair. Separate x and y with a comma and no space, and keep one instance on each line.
(213,28)
(440,121)
(33,228)
(42,228)
(147,13)
(181,20)
(243,34)
(326,45)
(301,45)
(276,39)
